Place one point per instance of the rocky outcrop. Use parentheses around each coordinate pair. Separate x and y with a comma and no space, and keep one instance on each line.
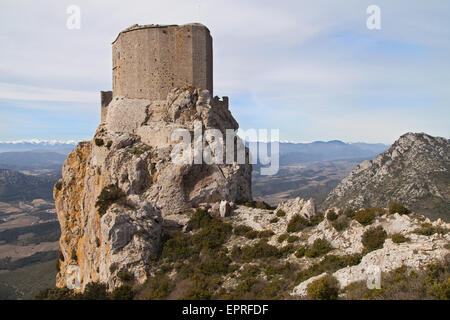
(131,151)
(305,208)
(417,251)
(415,171)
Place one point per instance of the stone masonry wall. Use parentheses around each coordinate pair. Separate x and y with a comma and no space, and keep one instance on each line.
(149,61)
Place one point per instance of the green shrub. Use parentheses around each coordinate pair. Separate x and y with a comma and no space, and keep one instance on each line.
(282,237)
(258,251)
(297,223)
(265,234)
(125,276)
(213,235)
(236,253)
(200,219)
(252,234)
(58,185)
(124,292)
(398,207)
(319,248)
(365,216)
(216,263)
(95,291)
(349,213)
(316,219)
(99,142)
(374,238)
(427,229)
(109,195)
(242,230)
(287,250)
(281,213)
(440,290)
(300,253)
(331,215)
(398,238)
(274,220)
(177,248)
(330,264)
(325,288)
(292,239)
(158,287)
(138,150)
(341,223)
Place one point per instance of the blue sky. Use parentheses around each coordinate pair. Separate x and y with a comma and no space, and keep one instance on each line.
(311,69)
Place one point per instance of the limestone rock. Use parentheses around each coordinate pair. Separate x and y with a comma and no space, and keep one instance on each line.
(155,188)
(301,289)
(224,209)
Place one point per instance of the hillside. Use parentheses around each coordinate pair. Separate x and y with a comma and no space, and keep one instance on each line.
(415,171)
(254,253)
(16,186)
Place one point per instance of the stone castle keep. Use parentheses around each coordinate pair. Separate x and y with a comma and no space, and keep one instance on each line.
(151,60)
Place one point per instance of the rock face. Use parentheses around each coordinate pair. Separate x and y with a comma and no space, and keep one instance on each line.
(130,151)
(415,171)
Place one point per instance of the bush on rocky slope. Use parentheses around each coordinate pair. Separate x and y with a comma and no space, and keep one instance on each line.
(325,288)
(374,238)
(109,195)
(398,207)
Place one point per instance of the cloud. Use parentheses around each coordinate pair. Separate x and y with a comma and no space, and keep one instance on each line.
(10,91)
(306,67)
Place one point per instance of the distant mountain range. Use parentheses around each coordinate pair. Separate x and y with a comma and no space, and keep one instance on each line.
(59,146)
(295,153)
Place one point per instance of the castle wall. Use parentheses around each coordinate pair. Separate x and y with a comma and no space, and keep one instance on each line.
(105,98)
(149,61)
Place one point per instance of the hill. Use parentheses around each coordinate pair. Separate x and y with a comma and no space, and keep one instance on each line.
(415,171)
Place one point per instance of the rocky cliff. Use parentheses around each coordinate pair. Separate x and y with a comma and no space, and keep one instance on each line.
(118,190)
(415,171)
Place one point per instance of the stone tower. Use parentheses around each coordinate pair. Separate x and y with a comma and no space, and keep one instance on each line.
(151,60)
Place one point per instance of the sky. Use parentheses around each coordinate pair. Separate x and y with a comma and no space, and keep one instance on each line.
(311,69)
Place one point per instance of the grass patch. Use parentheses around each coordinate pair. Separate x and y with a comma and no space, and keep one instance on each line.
(398,238)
